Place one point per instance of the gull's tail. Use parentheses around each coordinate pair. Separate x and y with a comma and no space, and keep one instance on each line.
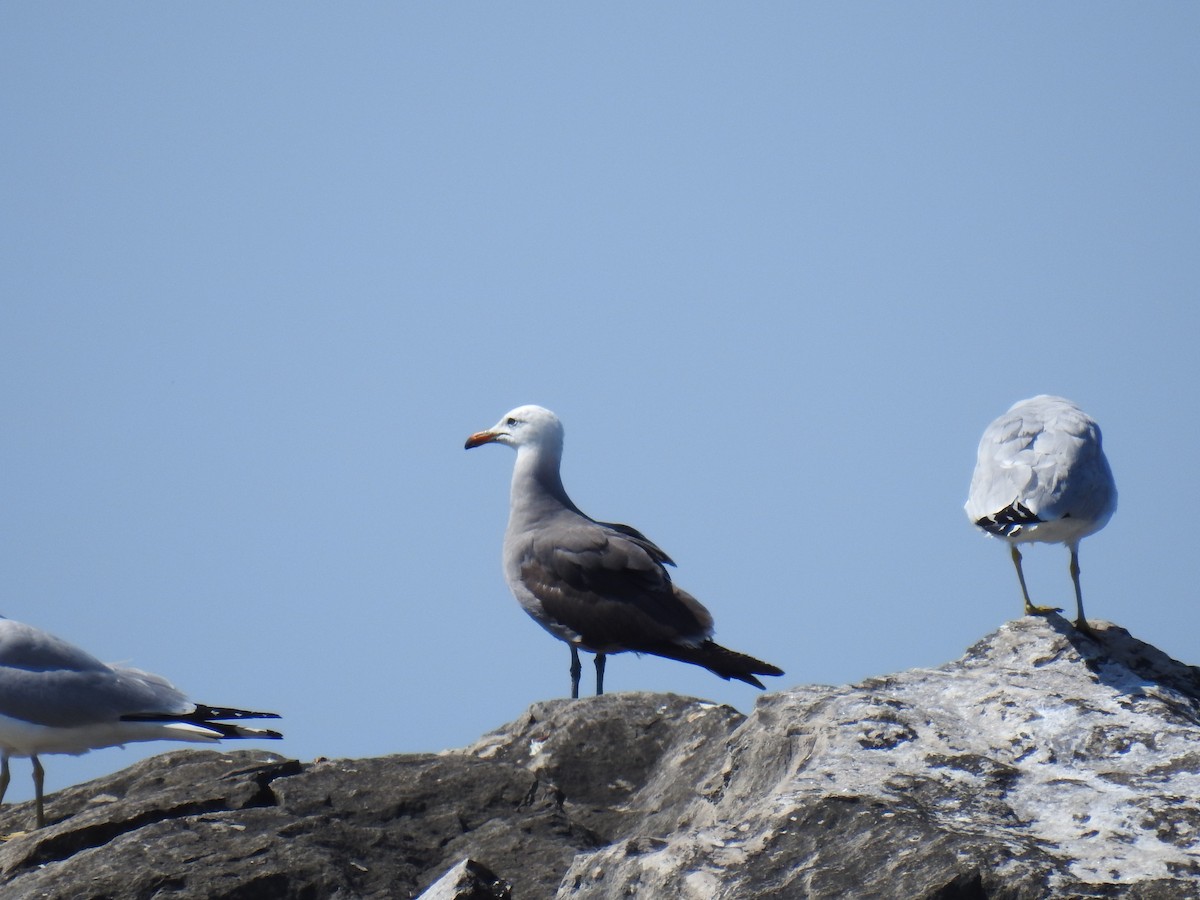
(1009,521)
(719,660)
(210,717)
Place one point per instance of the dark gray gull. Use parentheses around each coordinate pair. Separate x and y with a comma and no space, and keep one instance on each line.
(57,698)
(599,586)
(1042,476)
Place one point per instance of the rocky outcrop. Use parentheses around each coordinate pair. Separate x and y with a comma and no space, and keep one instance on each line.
(1044,763)
(246,824)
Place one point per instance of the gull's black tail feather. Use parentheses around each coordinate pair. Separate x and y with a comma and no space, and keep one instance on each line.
(209,713)
(210,717)
(1009,521)
(719,660)
(229,730)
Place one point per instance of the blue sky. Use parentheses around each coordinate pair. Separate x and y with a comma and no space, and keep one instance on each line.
(775,266)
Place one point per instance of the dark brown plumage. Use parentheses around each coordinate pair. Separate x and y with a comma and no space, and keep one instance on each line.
(599,586)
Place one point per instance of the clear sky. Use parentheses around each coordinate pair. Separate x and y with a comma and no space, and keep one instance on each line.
(265,266)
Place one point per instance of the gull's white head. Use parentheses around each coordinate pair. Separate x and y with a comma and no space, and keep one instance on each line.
(525,426)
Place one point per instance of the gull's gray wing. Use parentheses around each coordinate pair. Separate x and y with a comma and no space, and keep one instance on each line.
(47,681)
(1040,461)
(607,583)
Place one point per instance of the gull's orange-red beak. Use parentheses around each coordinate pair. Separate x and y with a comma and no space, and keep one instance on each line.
(480,437)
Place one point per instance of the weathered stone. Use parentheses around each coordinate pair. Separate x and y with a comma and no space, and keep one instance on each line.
(469,880)
(1042,764)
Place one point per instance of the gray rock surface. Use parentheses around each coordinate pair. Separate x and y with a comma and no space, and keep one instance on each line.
(469,880)
(1041,764)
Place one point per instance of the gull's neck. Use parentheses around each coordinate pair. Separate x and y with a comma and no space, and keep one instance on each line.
(537,488)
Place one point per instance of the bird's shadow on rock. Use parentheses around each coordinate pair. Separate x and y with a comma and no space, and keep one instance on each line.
(1137,669)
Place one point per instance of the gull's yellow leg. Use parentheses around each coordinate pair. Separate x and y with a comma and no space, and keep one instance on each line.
(1030,609)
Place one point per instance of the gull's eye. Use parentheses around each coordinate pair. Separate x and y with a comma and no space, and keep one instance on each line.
(510,421)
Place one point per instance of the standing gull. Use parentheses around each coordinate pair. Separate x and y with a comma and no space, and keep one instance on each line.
(57,698)
(598,586)
(1042,476)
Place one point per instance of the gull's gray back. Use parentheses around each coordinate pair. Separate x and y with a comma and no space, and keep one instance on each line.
(46,681)
(1045,454)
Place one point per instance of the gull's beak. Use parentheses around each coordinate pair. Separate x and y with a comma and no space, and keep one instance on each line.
(481,437)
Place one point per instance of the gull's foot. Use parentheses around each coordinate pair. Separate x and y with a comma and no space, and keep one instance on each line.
(12,835)
(1081,625)
(1031,610)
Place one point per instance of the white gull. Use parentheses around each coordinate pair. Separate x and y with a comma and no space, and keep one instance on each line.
(1042,476)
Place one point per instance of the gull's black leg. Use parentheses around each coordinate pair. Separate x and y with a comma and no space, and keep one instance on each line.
(576,671)
(39,780)
(599,674)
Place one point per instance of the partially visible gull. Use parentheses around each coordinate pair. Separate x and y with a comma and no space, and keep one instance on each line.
(1042,476)
(57,698)
(599,586)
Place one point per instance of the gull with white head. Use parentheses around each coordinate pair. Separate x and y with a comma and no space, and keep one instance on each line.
(1042,475)
(598,586)
(57,698)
